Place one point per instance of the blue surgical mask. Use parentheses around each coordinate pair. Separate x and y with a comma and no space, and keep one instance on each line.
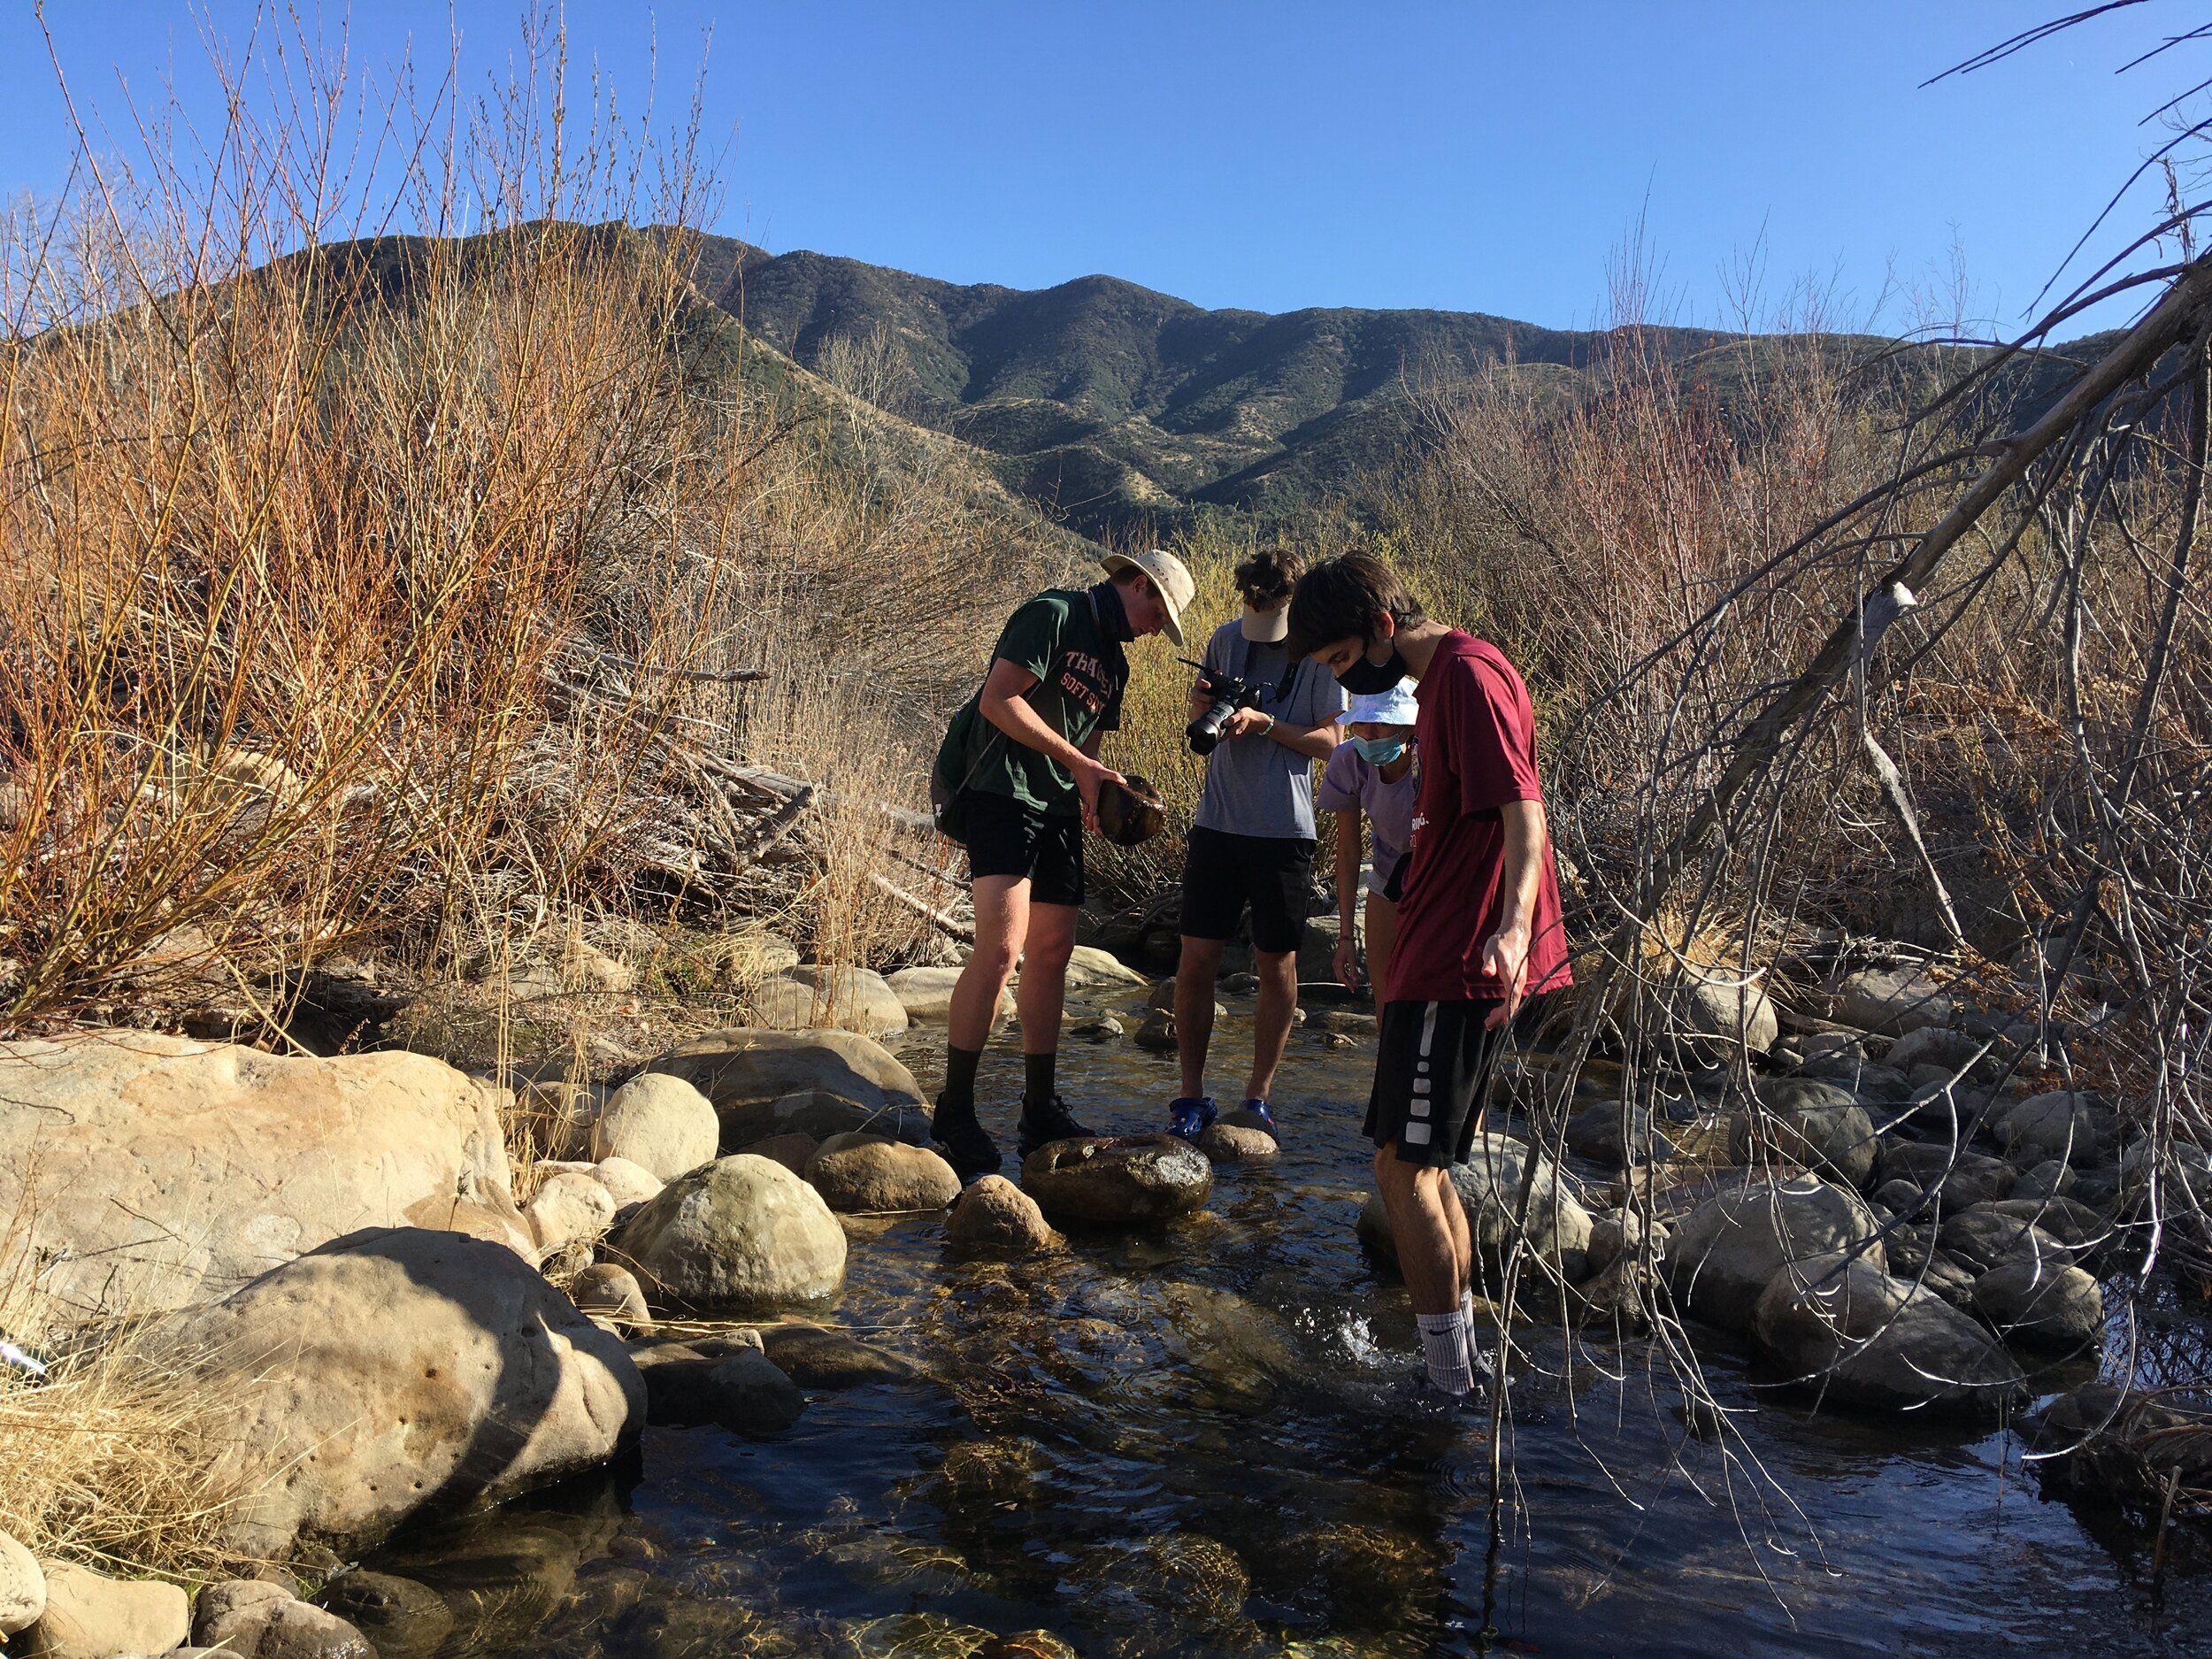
(1380,752)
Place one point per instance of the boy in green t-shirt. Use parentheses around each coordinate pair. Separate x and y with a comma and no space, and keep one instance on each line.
(1021,762)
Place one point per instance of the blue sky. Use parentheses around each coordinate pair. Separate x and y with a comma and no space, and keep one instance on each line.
(1472,156)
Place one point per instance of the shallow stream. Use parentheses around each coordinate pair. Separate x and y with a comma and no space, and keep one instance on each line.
(1200,1443)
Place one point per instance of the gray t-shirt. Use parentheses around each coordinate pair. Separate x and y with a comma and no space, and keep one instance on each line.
(1253,784)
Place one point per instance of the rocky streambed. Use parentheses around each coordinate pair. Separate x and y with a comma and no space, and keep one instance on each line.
(975,1432)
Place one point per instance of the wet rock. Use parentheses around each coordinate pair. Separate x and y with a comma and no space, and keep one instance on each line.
(1158,1032)
(153,1172)
(259,1620)
(744,1392)
(1808,1122)
(611,1292)
(626,1183)
(1179,1590)
(811,997)
(398,1616)
(2064,1124)
(1596,1132)
(1845,1328)
(1985,1237)
(743,1234)
(817,1357)
(984,1475)
(1100,1028)
(1028,1644)
(794,1151)
(2118,1447)
(569,1208)
(1232,1143)
(1131,1179)
(383,1377)
(1619,1295)
(1967,1178)
(1892,1001)
(660,1123)
(1725,1253)
(2042,1305)
(863,1174)
(995,1215)
(1091,969)
(752,1076)
(89,1615)
(1354,1576)
(1343,1021)
(22,1587)
(925,993)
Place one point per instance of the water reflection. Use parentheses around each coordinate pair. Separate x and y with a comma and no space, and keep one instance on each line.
(1199,1443)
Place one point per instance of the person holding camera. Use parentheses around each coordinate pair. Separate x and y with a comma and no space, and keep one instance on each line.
(1261,717)
(1017,778)
(1479,927)
(1372,774)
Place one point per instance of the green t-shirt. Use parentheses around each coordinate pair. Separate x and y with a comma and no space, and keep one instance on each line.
(1080,674)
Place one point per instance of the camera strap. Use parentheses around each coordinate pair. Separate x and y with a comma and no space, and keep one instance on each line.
(1244,662)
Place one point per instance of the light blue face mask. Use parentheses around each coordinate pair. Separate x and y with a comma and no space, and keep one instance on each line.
(1380,752)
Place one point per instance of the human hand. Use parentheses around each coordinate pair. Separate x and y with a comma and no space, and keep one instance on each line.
(1346,961)
(1246,723)
(1090,778)
(1505,959)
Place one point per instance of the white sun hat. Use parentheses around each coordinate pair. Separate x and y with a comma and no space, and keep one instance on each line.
(1170,579)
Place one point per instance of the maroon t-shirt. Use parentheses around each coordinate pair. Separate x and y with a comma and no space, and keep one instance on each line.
(1477,734)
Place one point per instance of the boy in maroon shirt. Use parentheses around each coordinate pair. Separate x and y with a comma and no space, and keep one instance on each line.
(1478,923)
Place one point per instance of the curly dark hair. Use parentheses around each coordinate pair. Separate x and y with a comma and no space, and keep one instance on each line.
(1268,576)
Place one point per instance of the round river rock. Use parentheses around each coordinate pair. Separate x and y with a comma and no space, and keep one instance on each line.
(741,1234)
(1126,1180)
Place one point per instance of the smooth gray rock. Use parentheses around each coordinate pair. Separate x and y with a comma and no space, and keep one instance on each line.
(1985,1237)
(2063,1124)
(747,1072)
(660,1123)
(865,1174)
(745,1392)
(1892,1001)
(741,1234)
(2041,1304)
(1725,1253)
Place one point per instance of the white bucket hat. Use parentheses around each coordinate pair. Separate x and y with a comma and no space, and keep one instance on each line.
(1397,706)
(1170,579)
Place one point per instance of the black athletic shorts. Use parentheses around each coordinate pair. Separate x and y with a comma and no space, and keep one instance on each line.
(1221,873)
(1433,1066)
(1006,838)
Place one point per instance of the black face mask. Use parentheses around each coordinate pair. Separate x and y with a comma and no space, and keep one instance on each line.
(1366,677)
(1113,615)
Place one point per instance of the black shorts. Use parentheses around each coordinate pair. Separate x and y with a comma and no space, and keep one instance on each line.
(1006,838)
(1433,1066)
(1221,873)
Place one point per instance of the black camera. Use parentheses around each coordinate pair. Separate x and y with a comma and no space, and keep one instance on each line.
(1225,695)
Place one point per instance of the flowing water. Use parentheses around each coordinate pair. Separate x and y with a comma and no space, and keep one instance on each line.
(1199,1443)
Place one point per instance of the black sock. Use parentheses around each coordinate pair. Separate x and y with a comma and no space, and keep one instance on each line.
(1037,1084)
(959,1096)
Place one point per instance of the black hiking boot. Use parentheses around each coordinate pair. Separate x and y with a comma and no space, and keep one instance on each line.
(966,1147)
(1043,1125)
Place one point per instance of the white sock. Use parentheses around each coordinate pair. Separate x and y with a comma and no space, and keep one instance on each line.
(1444,1348)
(1467,1308)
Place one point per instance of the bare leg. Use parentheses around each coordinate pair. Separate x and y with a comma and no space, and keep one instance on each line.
(1277,971)
(1002,918)
(1194,973)
(1044,985)
(1382,933)
(1421,1204)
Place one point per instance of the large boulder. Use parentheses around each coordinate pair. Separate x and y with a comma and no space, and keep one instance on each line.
(1805,1121)
(849,999)
(22,1587)
(1489,1187)
(863,1174)
(1091,969)
(660,1123)
(1892,1001)
(2042,1303)
(1984,1236)
(993,1215)
(1723,1254)
(925,993)
(89,1615)
(1841,1327)
(399,1372)
(156,1171)
(741,1234)
(753,1076)
(2064,1124)
(1117,1181)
